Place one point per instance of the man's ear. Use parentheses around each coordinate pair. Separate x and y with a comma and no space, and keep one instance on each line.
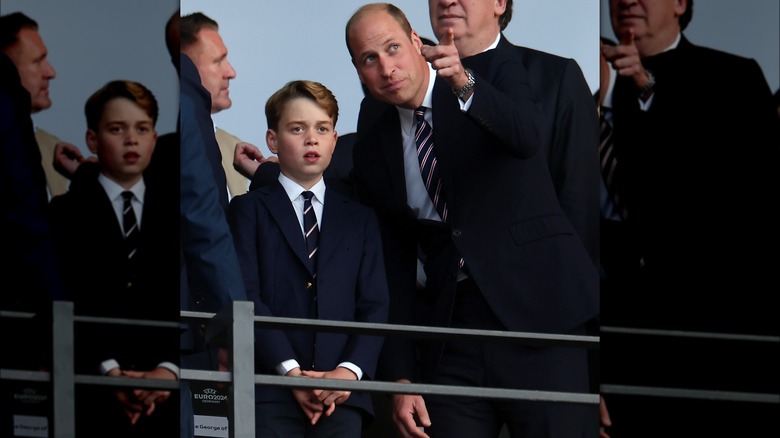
(92,141)
(270,140)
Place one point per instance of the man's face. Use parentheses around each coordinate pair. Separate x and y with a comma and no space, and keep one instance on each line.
(124,140)
(304,141)
(388,61)
(468,19)
(652,21)
(29,56)
(209,55)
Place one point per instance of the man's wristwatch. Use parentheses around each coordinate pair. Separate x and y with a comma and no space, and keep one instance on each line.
(466,88)
(647,91)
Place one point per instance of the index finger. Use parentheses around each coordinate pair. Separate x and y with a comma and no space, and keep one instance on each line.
(449,38)
(627,37)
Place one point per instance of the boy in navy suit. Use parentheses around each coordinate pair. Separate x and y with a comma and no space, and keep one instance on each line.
(301,259)
(112,231)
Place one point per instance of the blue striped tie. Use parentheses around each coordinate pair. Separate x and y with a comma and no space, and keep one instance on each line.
(429,170)
(311,229)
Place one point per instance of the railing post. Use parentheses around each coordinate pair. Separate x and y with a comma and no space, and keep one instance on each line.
(242,364)
(63,381)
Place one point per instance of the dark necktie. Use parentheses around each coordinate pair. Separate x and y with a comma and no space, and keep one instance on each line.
(429,169)
(131,231)
(311,229)
(609,166)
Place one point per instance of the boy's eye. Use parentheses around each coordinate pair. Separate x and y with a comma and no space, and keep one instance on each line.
(297,129)
(393,47)
(370,58)
(323,129)
(115,129)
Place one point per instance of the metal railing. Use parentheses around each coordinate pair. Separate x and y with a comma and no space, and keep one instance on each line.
(238,323)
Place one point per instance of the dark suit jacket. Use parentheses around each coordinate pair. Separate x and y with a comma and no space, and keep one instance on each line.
(89,241)
(210,276)
(700,167)
(350,283)
(26,237)
(505,217)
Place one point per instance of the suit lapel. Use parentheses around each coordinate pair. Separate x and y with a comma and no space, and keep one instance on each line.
(336,223)
(281,210)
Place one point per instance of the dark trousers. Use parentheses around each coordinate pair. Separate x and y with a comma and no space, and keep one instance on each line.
(287,420)
(507,365)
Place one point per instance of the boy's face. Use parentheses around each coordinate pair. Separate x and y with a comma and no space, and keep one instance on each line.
(304,141)
(124,141)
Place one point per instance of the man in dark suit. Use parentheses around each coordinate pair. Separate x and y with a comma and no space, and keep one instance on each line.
(330,268)
(696,164)
(502,255)
(210,274)
(27,240)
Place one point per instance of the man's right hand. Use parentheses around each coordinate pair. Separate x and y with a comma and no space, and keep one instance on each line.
(247,158)
(625,59)
(67,159)
(405,406)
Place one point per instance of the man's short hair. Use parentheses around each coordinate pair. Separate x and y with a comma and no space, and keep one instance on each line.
(10,25)
(311,90)
(686,17)
(391,9)
(506,17)
(134,91)
(191,24)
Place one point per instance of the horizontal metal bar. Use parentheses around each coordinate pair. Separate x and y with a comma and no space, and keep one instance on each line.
(427,389)
(414,331)
(15,314)
(690,334)
(88,379)
(691,393)
(27,375)
(127,321)
(206,376)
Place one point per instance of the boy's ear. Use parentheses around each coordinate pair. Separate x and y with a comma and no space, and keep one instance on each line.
(270,140)
(92,141)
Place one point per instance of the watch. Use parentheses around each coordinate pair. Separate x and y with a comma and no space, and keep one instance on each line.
(466,88)
(646,91)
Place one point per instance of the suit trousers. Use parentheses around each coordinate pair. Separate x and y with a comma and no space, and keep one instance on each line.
(287,420)
(507,365)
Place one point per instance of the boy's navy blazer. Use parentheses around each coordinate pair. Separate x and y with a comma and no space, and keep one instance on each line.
(350,283)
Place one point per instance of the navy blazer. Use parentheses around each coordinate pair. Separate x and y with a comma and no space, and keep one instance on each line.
(350,282)
(90,243)
(210,277)
(506,220)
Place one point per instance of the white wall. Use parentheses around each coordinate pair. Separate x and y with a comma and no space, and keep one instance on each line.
(91,42)
(272,42)
(747,28)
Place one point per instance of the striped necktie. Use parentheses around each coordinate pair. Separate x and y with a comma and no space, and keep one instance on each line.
(311,229)
(609,166)
(429,170)
(132,233)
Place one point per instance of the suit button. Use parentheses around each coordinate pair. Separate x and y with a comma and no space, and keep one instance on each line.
(199,299)
(309,285)
(456,233)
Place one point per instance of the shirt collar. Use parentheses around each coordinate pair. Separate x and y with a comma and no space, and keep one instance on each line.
(293,189)
(114,190)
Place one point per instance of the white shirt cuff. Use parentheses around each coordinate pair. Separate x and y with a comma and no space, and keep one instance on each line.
(464,106)
(108,365)
(285,367)
(170,366)
(352,367)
